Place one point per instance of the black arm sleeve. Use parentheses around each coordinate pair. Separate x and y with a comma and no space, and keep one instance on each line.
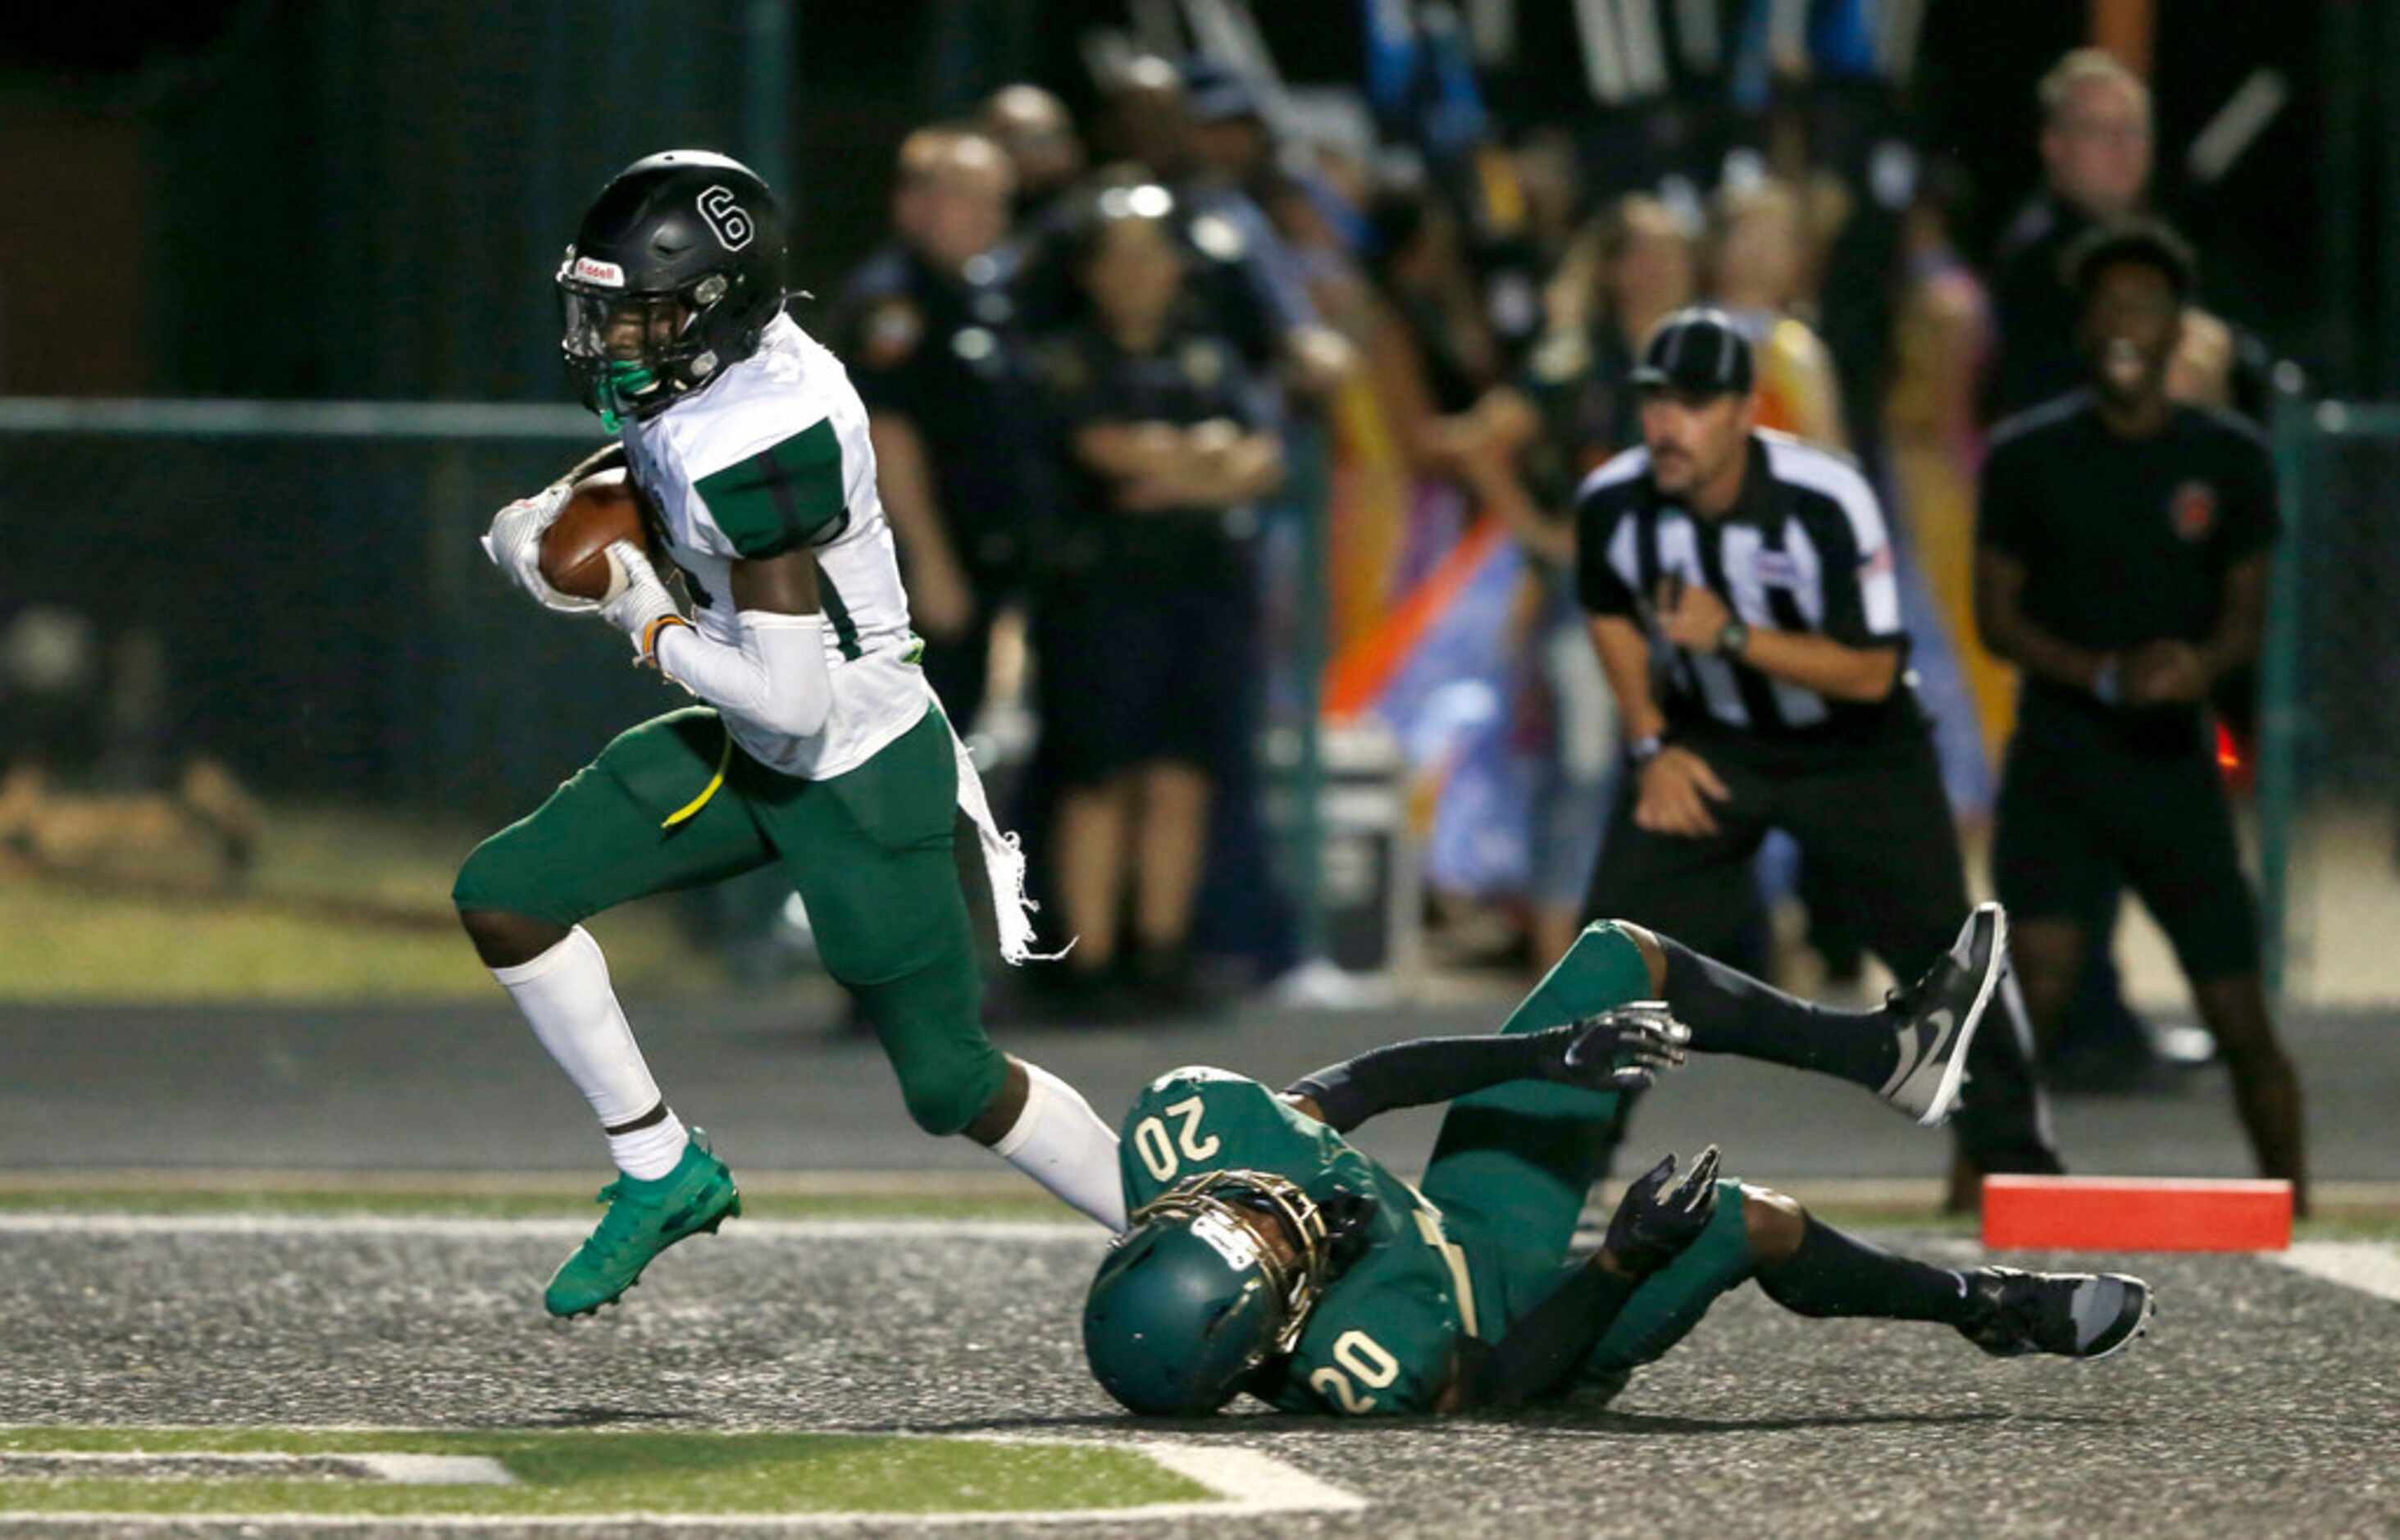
(1543,1348)
(1426,1069)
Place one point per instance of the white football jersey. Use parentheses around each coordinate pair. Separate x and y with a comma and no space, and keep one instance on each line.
(771,457)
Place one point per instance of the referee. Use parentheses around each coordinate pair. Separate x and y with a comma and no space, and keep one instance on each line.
(2121,564)
(1742,598)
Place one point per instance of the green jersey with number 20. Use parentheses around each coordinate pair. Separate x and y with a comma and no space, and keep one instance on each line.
(1382,1336)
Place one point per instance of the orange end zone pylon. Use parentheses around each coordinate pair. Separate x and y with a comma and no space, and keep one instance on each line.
(2136,1214)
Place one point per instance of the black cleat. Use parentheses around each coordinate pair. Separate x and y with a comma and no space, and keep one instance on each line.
(2072,1314)
(1936,1017)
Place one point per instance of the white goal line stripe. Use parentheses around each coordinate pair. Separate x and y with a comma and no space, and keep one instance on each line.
(2371,1267)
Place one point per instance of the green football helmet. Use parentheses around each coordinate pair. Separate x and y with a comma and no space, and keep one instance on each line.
(1192,1297)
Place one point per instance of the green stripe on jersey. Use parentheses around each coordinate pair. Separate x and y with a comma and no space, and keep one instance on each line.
(781,498)
(845,630)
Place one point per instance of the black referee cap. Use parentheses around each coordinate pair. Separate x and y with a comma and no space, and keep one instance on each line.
(1698,349)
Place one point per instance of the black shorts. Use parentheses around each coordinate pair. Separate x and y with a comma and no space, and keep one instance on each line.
(1872,823)
(1136,672)
(2081,811)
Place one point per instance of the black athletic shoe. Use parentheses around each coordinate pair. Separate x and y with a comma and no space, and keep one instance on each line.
(1937,1014)
(2073,1314)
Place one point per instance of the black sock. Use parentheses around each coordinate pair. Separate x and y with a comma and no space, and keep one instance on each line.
(1836,1275)
(1731,1013)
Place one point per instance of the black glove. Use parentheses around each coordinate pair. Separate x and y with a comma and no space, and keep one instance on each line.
(1621,1049)
(1349,1227)
(1660,1216)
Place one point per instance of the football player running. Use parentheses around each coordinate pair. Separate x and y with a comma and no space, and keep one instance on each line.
(817,745)
(1268,1255)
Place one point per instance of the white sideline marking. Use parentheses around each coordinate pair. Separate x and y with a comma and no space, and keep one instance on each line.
(413,1470)
(434,1227)
(1250,1484)
(1259,1483)
(2370,1267)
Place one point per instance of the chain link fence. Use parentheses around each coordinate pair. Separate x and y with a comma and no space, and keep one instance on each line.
(299,589)
(2329,745)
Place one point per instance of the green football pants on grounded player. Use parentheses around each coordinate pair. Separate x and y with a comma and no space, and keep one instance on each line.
(672,804)
(1515,1164)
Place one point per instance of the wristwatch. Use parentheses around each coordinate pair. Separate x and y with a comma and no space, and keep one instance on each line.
(1733,638)
(1644,749)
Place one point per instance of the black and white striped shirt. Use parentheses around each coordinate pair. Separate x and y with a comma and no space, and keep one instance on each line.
(1803,549)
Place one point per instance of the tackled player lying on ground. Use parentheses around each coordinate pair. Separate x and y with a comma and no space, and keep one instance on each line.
(1268,1255)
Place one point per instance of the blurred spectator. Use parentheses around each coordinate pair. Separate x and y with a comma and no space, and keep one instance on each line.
(2123,552)
(930,332)
(1627,271)
(1942,340)
(1241,272)
(2095,159)
(1419,263)
(1229,137)
(1039,135)
(1759,267)
(1146,629)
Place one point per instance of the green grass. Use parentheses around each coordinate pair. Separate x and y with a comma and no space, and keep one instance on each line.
(609,1472)
(342,906)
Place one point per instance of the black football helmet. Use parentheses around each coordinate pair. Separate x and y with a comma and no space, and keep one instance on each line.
(675,270)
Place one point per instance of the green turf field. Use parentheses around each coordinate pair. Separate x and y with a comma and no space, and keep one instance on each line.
(342,906)
(584,1472)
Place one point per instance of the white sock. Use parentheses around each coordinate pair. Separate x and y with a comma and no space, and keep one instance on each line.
(1062,1143)
(567,1000)
(649,1154)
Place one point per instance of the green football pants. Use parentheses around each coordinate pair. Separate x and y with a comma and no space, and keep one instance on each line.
(1515,1164)
(673,804)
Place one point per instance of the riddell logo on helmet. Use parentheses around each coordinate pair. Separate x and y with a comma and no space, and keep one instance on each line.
(593,270)
(1229,1240)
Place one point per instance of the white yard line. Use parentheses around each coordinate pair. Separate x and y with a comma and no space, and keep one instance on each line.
(2371,1267)
(434,1227)
(1254,1482)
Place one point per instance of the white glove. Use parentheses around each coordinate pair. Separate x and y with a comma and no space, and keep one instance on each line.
(514,545)
(643,602)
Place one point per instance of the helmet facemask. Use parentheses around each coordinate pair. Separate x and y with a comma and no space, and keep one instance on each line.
(632,355)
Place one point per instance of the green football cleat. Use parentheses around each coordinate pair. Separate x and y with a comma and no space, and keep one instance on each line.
(644,1218)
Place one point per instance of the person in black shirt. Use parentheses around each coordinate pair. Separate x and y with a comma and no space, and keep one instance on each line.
(2097,148)
(1145,618)
(2095,157)
(1744,601)
(933,338)
(2122,558)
